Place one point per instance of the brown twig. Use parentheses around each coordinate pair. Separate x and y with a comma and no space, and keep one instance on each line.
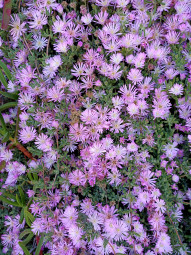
(27,44)
(47,46)
(109,245)
(175,231)
(22,149)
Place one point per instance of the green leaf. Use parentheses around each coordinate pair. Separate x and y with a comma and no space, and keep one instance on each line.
(18,200)
(105,242)
(22,195)
(30,216)
(6,137)
(3,122)
(25,232)
(27,240)
(2,165)
(24,248)
(5,200)
(30,176)
(35,175)
(21,216)
(9,195)
(2,79)
(5,69)
(39,245)
(9,95)
(26,217)
(7,105)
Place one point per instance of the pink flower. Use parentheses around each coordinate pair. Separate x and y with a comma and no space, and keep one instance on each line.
(159,205)
(27,134)
(132,147)
(135,75)
(78,132)
(175,178)
(55,94)
(77,178)
(44,143)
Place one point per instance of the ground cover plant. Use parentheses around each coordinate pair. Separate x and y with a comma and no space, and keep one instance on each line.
(95,122)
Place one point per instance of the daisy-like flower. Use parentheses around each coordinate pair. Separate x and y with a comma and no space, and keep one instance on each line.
(20,57)
(122,3)
(78,132)
(43,143)
(17,27)
(55,94)
(114,177)
(37,226)
(101,17)
(87,19)
(39,20)
(177,89)
(39,42)
(160,205)
(25,101)
(135,75)
(132,147)
(27,134)
(77,178)
(78,69)
(96,220)
(172,37)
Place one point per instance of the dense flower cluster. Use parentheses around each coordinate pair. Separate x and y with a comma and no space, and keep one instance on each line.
(104,121)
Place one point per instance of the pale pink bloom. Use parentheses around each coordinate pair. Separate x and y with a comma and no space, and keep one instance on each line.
(129,93)
(175,178)
(135,75)
(5,155)
(55,94)
(77,178)
(87,19)
(44,143)
(121,230)
(133,109)
(39,20)
(75,233)
(163,244)
(114,177)
(112,46)
(87,207)
(78,69)
(17,27)
(96,220)
(25,101)
(144,197)
(172,37)
(171,73)
(177,89)
(116,58)
(101,17)
(128,41)
(122,3)
(103,3)
(160,205)
(27,134)
(37,226)
(78,132)
(89,116)
(132,147)
(69,216)
(117,126)
(97,149)
(157,221)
